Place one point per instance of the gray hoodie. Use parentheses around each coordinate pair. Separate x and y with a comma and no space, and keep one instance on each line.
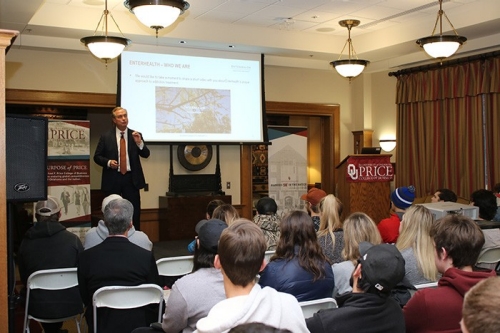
(97,234)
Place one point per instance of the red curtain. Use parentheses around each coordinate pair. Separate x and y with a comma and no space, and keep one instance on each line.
(448,128)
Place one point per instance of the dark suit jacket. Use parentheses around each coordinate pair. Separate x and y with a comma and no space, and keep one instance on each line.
(116,261)
(107,149)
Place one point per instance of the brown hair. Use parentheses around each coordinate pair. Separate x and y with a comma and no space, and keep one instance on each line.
(460,236)
(297,229)
(480,309)
(212,205)
(226,213)
(242,246)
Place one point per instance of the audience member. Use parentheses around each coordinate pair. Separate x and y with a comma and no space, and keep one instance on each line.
(401,199)
(208,215)
(240,257)
(480,309)
(48,245)
(496,191)
(358,227)
(299,266)
(97,234)
(369,308)
(226,213)
(268,221)
(330,234)
(416,246)
(458,241)
(257,328)
(312,199)
(116,261)
(193,295)
(444,195)
(487,203)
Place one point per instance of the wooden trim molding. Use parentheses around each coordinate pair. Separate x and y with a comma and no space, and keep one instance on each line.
(38,97)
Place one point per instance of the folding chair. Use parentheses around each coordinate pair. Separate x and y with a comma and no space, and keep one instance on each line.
(127,297)
(490,256)
(175,266)
(309,308)
(51,279)
(268,255)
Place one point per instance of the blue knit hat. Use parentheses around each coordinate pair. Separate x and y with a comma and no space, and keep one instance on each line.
(403,197)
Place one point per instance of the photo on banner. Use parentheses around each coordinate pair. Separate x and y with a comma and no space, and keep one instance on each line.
(287,167)
(68,172)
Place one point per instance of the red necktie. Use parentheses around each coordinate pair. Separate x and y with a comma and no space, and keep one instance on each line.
(123,155)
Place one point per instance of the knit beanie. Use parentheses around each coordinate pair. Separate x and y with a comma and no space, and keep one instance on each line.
(403,197)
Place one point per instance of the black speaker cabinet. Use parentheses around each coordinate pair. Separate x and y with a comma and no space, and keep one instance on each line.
(26,158)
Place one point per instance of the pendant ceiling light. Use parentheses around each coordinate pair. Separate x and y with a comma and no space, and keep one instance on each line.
(441,46)
(103,46)
(157,14)
(349,68)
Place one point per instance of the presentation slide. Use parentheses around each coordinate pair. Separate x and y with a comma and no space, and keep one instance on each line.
(186,99)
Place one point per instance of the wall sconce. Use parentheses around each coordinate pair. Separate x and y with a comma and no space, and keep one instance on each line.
(388,145)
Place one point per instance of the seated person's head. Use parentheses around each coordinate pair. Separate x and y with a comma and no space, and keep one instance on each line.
(480,309)
(257,328)
(458,241)
(241,252)
(444,194)
(312,199)
(496,188)
(118,216)
(358,227)
(266,206)
(226,213)
(487,203)
(403,197)
(296,229)
(48,210)
(107,200)
(207,243)
(380,268)
(211,207)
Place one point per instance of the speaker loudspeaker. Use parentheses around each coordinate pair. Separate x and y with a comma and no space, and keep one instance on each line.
(26,158)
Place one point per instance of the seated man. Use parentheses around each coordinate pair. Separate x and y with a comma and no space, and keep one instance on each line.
(116,261)
(97,234)
(401,199)
(444,195)
(369,308)
(267,220)
(487,203)
(241,257)
(48,245)
(480,309)
(458,241)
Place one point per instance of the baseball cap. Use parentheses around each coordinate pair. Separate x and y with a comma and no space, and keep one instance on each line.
(108,199)
(199,225)
(382,265)
(209,234)
(314,196)
(47,207)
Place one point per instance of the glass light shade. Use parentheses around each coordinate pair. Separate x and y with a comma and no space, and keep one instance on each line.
(157,16)
(441,46)
(105,47)
(387,145)
(349,68)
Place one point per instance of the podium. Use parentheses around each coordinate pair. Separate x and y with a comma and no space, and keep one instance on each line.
(364,184)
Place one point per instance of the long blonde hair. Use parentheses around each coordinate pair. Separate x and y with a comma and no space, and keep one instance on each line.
(415,233)
(330,208)
(358,227)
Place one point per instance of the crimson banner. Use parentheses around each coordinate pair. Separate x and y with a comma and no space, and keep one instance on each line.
(369,169)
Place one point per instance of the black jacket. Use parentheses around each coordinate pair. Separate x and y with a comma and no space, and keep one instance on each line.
(360,313)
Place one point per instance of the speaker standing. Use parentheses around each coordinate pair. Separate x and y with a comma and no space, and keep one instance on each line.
(122,172)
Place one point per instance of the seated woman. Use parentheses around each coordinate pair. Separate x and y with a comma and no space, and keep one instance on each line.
(358,227)
(330,234)
(268,221)
(226,213)
(416,245)
(299,266)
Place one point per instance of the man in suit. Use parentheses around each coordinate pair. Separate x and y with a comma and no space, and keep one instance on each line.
(128,178)
(116,261)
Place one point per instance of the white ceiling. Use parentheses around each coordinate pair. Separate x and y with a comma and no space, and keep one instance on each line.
(301,33)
